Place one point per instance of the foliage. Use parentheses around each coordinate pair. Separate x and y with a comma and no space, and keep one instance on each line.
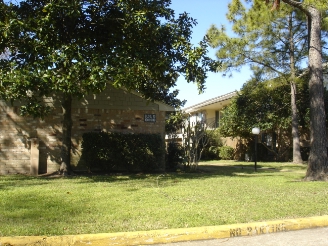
(211,151)
(318,159)
(72,48)
(262,39)
(214,137)
(267,106)
(273,43)
(123,152)
(174,156)
(174,122)
(195,138)
(78,46)
(226,153)
(262,104)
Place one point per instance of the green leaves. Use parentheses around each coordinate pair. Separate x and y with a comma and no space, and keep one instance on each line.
(264,104)
(77,47)
(261,38)
(124,152)
(325,23)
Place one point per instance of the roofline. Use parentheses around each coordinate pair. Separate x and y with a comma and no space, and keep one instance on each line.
(161,105)
(211,101)
(231,94)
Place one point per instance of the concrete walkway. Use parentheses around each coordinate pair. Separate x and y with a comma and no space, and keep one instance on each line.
(236,234)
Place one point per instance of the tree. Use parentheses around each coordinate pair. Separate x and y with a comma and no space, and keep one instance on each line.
(265,104)
(72,48)
(274,43)
(173,124)
(174,148)
(318,159)
(195,137)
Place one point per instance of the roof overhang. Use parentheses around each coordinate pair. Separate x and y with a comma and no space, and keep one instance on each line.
(213,103)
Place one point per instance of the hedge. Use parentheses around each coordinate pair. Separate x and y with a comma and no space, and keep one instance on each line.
(226,153)
(104,151)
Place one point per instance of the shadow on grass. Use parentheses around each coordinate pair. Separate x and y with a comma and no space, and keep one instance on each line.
(204,171)
(18,180)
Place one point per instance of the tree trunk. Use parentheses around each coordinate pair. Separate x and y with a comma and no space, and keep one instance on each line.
(297,158)
(318,160)
(65,167)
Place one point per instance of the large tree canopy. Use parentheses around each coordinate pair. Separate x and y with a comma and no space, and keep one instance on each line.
(314,10)
(273,42)
(139,45)
(266,104)
(75,47)
(256,30)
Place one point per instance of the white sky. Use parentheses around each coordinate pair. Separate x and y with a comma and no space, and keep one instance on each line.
(207,12)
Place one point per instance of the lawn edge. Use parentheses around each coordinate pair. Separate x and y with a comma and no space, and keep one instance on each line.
(172,235)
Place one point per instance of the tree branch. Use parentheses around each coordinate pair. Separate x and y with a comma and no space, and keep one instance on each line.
(298,5)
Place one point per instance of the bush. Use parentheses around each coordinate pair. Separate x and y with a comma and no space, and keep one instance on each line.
(174,156)
(122,152)
(226,152)
(211,151)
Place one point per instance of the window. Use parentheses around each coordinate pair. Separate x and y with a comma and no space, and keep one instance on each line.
(199,117)
(269,139)
(218,117)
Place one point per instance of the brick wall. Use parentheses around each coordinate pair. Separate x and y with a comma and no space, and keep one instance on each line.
(113,110)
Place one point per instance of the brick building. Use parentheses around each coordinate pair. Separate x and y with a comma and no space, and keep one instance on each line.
(29,145)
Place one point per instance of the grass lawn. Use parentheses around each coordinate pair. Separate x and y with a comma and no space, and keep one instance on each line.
(221,192)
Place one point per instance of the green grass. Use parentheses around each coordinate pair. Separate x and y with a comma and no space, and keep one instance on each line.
(219,193)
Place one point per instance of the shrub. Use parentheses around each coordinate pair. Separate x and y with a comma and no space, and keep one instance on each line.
(211,152)
(174,156)
(122,152)
(226,152)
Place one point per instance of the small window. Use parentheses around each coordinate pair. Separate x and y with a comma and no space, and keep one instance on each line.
(200,117)
(267,139)
(218,117)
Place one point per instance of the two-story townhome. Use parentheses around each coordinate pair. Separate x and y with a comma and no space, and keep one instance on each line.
(210,111)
